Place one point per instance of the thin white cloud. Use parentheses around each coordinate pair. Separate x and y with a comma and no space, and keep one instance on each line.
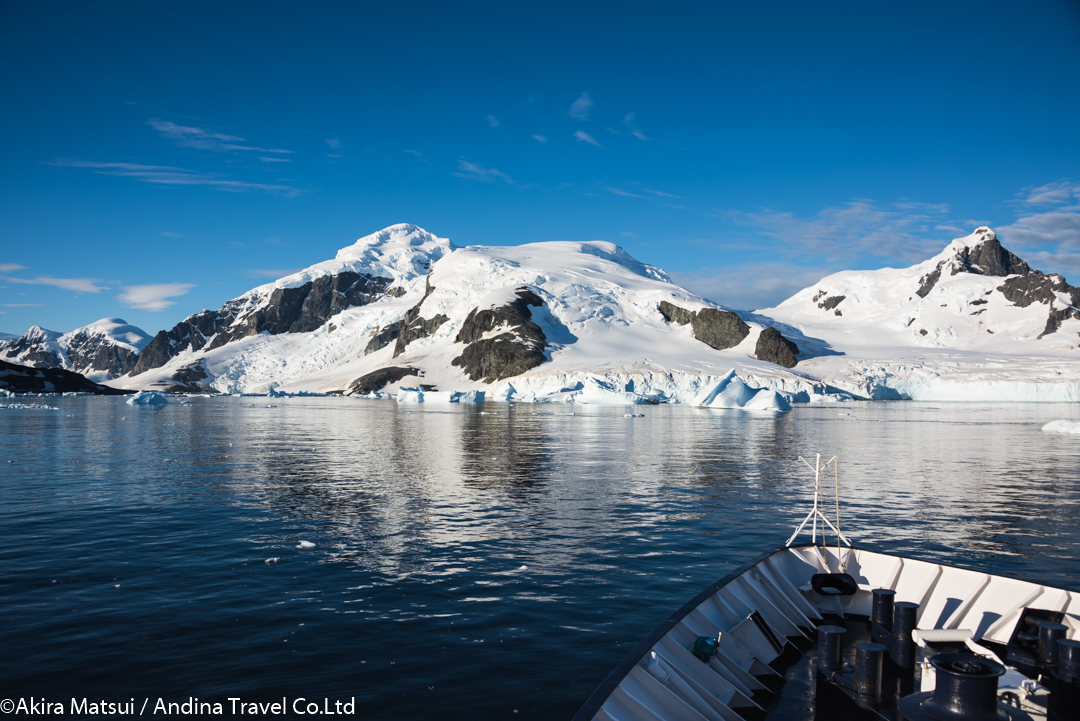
(270,272)
(904,231)
(23,305)
(541,138)
(626,193)
(664,195)
(11,267)
(476,172)
(629,121)
(153,297)
(78,285)
(581,107)
(628,234)
(1060,192)
(582,135)
(493,121)
(274,160)
(168,175)
(193,137)
(417,154)
(334,155)
(749,287)
(333,143)
(1048,230)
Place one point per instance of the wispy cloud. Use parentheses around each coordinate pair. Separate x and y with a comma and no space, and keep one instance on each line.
(629,121)
(476,172)
(493,121)
(628,234)
(582,135)
(749,287)
(901,231)
(581,107)
(1048,228)
(417,154)
(203,139)
(626,193)
(168,175)
(11,267)
(274,160)
(23,305)
(78,285)
(333,143)
(270,272)
(664,195)
(153,297)
(541,138)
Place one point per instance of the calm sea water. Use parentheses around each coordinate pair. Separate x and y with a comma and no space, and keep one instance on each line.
(468,562)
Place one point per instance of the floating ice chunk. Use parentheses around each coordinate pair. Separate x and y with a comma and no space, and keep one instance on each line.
(1062,426)
(767,400)
(733,392)
(275,559)
(410,395)
(305,544)
(469,397)
(147,398)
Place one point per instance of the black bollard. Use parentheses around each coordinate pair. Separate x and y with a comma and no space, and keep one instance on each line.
(883,607)
(966,687)
(1049,635)
(868,658)
(1065,685)
(1068,669)
(830,648)
(902,652)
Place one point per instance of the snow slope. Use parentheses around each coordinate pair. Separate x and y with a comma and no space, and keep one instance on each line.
(105,349)
(599,317)
(581,322)
(975,332)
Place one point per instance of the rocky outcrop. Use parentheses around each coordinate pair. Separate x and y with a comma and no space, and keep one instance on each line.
(108,347)
(414,326)
(720,329)
(928,281)
(773,347)
(519,349)
(989,258)
(377,380)
(286,310)
(23,379)
(384,336)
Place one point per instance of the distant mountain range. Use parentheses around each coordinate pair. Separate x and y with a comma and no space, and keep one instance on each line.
(105,349)
(569,320)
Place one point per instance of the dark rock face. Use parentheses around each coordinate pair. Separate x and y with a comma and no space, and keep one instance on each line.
(989,258)
(928,281)
(289,310)
(87,351)
(720,329)
(377,380)
(772,347)
(831,302)
(188,379)
(384,337)
(39,357)
(1036,287)
(414,327)
(23,379)
(508,354)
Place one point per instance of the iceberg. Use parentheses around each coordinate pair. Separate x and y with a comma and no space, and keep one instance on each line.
(1062,426)
(733,392)
(147,398)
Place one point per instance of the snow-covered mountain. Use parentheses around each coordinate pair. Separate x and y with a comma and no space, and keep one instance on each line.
(974,321)
(403,306)
(105,349)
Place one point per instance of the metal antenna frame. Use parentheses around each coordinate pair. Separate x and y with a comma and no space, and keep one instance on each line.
(816,512)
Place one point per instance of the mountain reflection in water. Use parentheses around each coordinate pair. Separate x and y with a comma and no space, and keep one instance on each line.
(469,561)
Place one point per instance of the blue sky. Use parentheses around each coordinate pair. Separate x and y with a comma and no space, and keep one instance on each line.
(160,159)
